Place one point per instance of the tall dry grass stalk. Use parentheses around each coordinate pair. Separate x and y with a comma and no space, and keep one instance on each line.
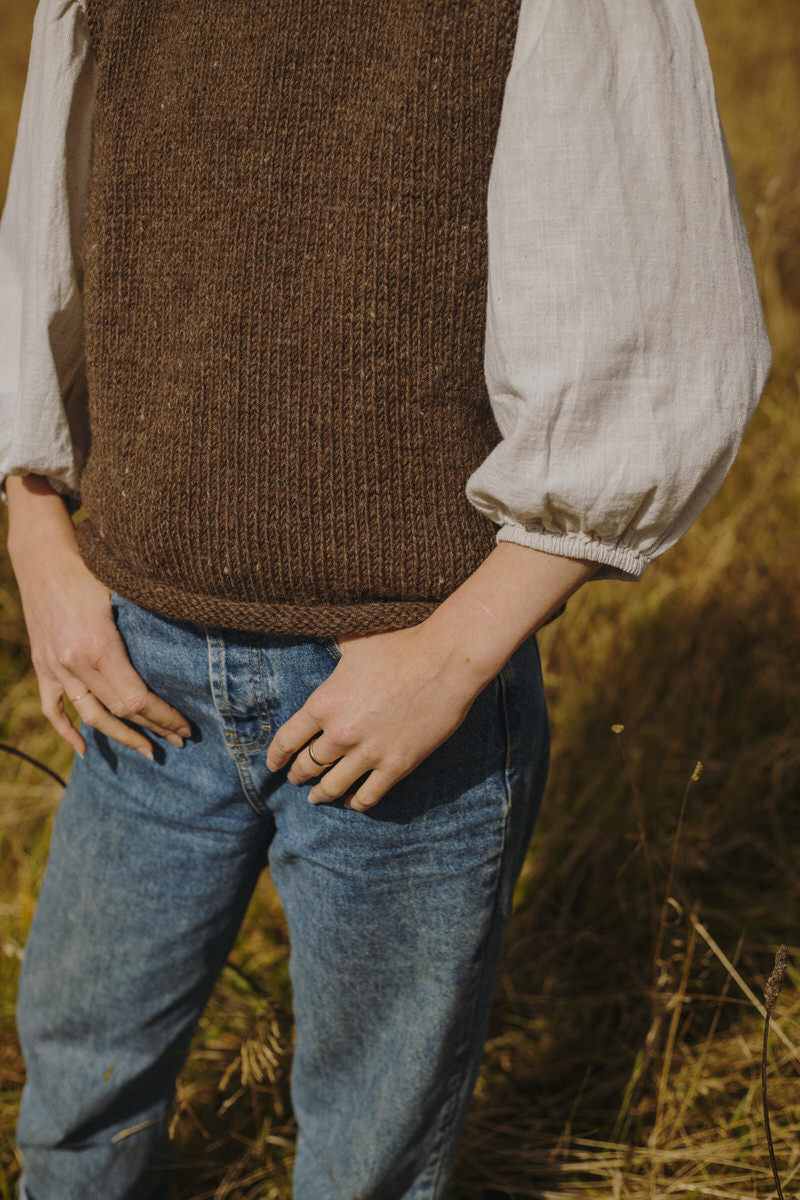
(771,993)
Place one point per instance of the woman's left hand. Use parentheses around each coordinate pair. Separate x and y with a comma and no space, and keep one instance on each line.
(391,700)
(394,697)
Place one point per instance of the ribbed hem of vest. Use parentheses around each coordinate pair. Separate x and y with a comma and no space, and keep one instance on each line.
(223,612)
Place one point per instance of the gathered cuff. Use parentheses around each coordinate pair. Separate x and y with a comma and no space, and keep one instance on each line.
(617,561)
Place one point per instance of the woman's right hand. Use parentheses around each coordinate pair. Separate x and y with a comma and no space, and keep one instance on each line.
(76,648)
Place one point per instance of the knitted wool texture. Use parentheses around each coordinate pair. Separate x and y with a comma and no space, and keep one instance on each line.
(285,269)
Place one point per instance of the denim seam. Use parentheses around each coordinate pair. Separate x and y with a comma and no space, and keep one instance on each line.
(245,774)
(260,702)
(251,747)
(509,740)
(332,648)
(217,676)
(219,686)
(261,741)
(449,1113)
(219,682)
(258,743)
(456,1080)
(262,695)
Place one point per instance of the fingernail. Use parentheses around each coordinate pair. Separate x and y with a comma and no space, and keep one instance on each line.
(175,740)
(185,731)
(148,753)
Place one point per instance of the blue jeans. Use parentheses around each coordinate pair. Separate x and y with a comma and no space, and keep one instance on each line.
(396,918)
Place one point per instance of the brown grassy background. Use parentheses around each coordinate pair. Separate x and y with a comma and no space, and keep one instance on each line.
(623,1054)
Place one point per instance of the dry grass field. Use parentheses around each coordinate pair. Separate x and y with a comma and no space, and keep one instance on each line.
(624,1054)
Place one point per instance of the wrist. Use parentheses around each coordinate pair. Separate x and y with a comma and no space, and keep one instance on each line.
(509,597)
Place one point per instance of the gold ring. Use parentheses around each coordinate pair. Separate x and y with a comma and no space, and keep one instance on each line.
(311,752)
(75,699)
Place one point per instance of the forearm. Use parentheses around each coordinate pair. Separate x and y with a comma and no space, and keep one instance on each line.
(510,595)
(37,515)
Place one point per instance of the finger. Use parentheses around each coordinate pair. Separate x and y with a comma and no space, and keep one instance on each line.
(339,779)
(137,706)
(305,767)
(50,693)
(290,737)
(70,685)
(375,788)
(119,687)
(93,713)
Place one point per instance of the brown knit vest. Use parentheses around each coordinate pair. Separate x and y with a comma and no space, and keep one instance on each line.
(285,299)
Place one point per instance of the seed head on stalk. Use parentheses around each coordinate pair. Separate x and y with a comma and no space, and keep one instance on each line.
(771,993)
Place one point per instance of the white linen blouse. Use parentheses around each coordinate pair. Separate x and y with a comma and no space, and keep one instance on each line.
(625,347)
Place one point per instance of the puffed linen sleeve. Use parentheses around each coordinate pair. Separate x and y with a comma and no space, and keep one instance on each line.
(625,342)
(43,426)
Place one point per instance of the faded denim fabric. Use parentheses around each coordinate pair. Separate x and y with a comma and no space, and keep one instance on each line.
(396,918)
